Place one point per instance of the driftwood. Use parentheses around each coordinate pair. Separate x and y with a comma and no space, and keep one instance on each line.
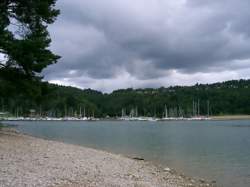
(138,158)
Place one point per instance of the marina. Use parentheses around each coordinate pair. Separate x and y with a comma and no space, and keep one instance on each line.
(124,93)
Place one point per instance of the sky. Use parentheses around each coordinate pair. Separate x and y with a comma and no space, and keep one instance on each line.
(114,44)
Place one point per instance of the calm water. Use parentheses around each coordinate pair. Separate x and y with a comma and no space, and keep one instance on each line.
(215,150)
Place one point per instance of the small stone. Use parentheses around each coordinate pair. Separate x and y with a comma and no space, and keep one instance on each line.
(202,180)
(167,169)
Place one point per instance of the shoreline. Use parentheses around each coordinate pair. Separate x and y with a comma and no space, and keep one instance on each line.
(230,117)
(30,161)
(149,119)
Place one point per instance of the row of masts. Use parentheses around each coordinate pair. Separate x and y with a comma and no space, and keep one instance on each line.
(82,113)
(171,111)
(68,112)
(196,108)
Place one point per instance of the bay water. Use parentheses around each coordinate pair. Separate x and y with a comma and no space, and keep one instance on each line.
(213,150)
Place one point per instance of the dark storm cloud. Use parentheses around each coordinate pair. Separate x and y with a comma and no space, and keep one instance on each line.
(149,39)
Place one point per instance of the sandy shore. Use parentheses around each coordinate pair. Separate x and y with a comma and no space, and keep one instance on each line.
(231,117)
(28,161)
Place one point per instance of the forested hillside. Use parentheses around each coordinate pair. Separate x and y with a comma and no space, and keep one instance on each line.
(231,97)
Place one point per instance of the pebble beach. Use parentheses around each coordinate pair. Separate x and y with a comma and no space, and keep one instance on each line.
(29,161)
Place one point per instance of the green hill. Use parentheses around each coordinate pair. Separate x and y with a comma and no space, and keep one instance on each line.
(226,98)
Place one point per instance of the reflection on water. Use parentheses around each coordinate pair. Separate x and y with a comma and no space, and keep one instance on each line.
(215,150)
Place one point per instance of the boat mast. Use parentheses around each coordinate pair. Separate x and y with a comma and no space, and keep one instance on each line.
(80,113)
(166,112)
(65,111)
(208,108)
(193,108)
(198,107)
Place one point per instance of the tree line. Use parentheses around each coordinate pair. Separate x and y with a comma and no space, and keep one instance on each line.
(231,97)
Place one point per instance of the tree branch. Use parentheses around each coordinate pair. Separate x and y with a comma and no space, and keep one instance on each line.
(2,65)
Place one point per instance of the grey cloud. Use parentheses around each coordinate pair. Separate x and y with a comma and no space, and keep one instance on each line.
(149,38)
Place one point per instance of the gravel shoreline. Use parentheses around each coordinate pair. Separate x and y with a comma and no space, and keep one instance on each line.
(29,161)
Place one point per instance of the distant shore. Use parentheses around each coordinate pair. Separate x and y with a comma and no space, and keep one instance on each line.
(231,117)
(29,161)
(151,119)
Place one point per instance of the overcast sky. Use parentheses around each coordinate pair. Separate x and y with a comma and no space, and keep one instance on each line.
(112,44)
